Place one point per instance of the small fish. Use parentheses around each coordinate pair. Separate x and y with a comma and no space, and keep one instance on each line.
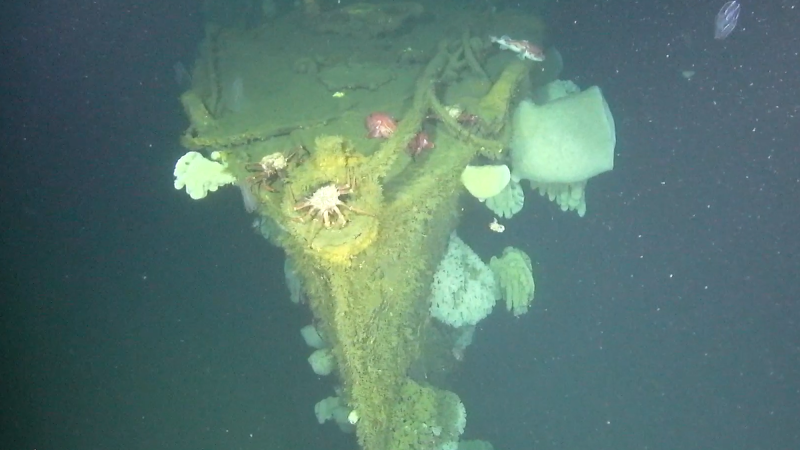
(524,49)
(496,227)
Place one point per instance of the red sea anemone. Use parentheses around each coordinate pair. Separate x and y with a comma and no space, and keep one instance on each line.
(380,125)
(419,143)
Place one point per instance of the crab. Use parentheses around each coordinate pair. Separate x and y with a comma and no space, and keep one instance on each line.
(454,111)
(325,202)
(461,115)
(468,119)
(266,170)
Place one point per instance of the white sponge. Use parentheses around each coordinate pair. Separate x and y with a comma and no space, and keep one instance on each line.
(312,337)
(200,175)
(464,289)
(565,141)
(333,408)
(322,362)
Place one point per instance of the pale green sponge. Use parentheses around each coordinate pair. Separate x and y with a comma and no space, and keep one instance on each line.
(508,202)
(514,273)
